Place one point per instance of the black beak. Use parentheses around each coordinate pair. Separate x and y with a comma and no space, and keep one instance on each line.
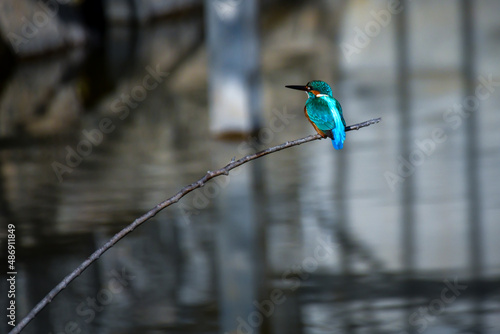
(304,88)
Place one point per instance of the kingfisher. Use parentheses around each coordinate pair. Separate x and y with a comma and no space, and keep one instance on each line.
(324,111)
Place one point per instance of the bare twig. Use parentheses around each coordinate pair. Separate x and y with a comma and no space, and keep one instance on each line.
(363,124)
(151,213)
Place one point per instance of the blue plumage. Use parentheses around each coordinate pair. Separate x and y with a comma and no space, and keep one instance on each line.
(324,112)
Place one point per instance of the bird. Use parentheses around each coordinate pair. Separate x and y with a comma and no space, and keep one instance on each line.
(323,111)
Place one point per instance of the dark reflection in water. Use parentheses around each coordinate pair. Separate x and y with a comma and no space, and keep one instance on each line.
(309,240)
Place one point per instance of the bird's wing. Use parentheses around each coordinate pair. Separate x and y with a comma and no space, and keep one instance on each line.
(321,112)
(339,109)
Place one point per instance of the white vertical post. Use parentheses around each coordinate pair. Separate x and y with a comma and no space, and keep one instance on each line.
(233,65)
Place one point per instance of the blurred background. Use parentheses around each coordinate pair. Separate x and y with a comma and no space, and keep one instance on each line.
(108,107)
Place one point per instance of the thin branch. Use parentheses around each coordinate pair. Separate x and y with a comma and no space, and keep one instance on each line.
(363,124)
(151,213)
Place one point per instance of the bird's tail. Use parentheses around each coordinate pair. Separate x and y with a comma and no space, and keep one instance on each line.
(338,134)
(338,144)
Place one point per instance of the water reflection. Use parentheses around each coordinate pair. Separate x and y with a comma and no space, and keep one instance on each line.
(306,240)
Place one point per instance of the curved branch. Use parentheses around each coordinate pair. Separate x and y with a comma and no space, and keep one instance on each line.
(151,213)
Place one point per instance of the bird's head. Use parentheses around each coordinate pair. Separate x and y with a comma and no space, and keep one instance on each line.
(314,88)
